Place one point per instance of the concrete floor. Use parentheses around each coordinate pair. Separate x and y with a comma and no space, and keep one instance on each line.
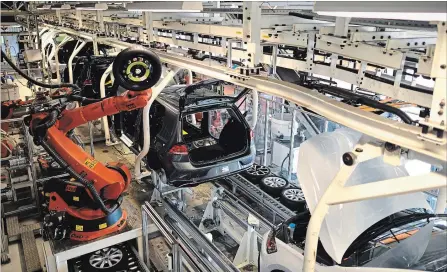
(103,153)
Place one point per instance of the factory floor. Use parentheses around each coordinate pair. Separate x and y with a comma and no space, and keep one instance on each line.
(103,153)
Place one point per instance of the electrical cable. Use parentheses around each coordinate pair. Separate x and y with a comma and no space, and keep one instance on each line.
(52,120)
(41,84)
(86,183)
(342,93)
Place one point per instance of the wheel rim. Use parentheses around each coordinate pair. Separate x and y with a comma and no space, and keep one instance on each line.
(258,170)
(294,194)
(106,258)
(275,182)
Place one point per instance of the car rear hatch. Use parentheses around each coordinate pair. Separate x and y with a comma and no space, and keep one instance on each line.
(213,128)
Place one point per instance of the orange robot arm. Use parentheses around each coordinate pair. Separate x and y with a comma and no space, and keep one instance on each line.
(109,181)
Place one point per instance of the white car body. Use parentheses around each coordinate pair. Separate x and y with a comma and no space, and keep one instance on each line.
(319,162)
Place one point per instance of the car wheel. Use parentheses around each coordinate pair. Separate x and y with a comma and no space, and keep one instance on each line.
(107,259)
(273,185)
(293,198)
(256,172)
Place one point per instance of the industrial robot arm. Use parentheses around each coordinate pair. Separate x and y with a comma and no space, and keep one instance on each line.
(90,206)
(109,181)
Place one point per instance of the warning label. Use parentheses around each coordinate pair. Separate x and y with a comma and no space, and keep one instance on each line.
(90,163)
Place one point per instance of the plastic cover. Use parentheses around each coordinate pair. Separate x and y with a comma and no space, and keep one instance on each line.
(320,160)
(407,253)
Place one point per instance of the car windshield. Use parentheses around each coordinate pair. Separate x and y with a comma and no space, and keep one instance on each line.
(411,239)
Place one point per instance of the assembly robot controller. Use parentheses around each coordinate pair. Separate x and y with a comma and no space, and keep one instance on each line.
(88,206)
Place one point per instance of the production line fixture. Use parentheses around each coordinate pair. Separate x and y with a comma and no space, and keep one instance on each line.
(358,55)
(423,139)
(88,207)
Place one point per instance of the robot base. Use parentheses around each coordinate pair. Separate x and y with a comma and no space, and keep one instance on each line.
(104,226)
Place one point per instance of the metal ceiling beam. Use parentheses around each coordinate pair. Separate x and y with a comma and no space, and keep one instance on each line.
(365,122)
(387,130)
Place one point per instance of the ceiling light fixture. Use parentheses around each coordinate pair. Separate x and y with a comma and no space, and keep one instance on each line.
(416,11)
(60,7)
(387,15)
(169,6)
(88,6)
(44,7)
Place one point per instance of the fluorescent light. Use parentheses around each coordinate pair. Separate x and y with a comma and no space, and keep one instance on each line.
(166,10)
(397,10)
(59,7)
(44,7)
(100,6)
(388,15)
(168,6)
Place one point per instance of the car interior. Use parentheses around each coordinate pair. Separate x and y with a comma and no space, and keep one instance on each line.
(218,134)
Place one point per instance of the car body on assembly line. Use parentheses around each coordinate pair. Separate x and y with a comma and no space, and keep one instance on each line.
(196,135)
(397,233)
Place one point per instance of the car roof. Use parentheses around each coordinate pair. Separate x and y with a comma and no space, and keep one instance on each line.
(171,95)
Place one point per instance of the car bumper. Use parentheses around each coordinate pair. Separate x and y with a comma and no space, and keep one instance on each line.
(185,174)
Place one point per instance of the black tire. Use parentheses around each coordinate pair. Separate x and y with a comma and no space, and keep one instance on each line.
(255,173)
(273,185)
(293,198)
(122,60)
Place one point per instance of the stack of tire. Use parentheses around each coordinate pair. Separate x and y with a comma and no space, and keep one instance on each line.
(275,186)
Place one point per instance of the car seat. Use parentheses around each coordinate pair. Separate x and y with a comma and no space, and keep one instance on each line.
(231,137)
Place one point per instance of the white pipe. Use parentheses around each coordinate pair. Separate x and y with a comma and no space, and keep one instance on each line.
(146,129)
(255,101)
(413,155)
(369,151)
(102,93)
(190,77)
(70,60)
(56,57)
(441,200)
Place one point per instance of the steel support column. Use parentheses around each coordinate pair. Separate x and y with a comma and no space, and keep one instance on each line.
(149,25)
(438,113)
(251,32)
(274,58)
(341,26)
(79,17)
(59,16)
(100,20)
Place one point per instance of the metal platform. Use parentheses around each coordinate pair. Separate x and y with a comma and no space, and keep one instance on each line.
(32,261)
(25,233)
(65,250)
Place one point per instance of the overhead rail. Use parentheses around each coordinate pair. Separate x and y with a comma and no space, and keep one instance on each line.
(387,130)
(394,52)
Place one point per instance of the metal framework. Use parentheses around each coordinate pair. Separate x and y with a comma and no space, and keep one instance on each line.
(346,49)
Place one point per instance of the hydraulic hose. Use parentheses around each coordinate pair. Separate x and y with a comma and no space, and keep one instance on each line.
(41,84)
(87,184)
(52,118)
(363,100)
(84,100)
(384,107)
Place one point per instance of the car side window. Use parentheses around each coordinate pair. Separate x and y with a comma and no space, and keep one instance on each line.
(193,126)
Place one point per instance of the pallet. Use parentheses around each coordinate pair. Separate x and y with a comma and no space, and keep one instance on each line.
(26,235)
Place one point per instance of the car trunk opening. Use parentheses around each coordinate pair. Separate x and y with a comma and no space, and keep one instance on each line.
(214,135)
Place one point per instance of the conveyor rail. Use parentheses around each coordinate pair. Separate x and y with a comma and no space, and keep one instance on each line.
(254,192)
(218,257)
